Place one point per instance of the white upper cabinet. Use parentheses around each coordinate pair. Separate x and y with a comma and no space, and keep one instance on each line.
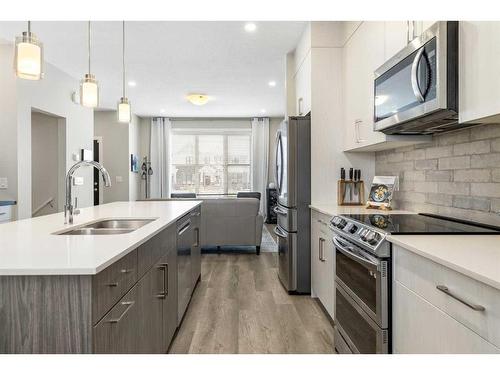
(479,79)
(363,53)
(371,44)
(396,37)
(303,87)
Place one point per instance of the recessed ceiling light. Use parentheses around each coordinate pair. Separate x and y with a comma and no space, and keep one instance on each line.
(162,110)
(272,83)
(198,99)
(250,27)
(262,111)
(132,83)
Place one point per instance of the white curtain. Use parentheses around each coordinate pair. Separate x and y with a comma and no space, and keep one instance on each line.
(160,158)
(260,158)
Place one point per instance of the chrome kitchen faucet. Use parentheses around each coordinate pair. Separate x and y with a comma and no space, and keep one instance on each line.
(69,210)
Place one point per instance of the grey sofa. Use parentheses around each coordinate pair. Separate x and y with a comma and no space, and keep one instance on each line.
(231,222)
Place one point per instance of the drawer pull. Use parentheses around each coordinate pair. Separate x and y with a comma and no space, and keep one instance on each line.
(125,271)
(112,285)
(446,290)
(129,306)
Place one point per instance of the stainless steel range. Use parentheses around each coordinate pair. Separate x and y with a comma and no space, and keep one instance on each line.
(363,273)
(362,287)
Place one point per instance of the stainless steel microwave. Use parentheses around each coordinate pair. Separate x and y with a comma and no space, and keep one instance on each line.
(416,91)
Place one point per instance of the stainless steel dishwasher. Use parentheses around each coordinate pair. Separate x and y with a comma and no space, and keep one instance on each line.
(184,266)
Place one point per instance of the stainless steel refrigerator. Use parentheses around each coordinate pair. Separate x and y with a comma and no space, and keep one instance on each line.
(293,182)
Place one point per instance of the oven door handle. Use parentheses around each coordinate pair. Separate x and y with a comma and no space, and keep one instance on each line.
(346,251)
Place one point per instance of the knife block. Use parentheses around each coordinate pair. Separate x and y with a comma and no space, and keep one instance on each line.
(350,193)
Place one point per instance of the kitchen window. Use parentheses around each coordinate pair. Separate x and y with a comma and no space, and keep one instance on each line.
(210,161)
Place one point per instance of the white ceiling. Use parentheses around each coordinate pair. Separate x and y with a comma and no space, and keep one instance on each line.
(169,60)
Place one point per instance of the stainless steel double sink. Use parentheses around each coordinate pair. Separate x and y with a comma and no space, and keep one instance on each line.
(107,226)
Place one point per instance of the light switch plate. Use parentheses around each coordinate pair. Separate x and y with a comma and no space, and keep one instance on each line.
(78,181)
(119,179)
(4,183)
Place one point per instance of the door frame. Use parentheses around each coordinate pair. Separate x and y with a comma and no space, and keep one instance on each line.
(101,154)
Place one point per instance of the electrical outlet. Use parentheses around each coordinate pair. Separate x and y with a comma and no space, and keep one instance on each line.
(4,183)
(78,181)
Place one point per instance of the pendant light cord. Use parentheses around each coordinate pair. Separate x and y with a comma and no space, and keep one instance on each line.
(123,56)
(89,38)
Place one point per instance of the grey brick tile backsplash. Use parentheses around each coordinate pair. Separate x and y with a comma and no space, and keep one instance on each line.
(456,174)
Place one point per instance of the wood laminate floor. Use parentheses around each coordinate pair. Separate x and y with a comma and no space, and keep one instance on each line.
(240,307)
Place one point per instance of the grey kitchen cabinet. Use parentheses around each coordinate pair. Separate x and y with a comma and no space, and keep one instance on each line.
(129,307)
(169,303)
(117,332)
(150,295)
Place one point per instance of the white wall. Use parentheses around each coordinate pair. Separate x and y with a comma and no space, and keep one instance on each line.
(53,95)
(8,123)
(115,155)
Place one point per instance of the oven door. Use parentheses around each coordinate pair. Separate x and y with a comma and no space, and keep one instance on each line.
(355,332)
(364,278)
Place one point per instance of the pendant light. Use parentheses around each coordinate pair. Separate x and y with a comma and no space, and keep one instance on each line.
(124,113)
(89,87)
(28,58)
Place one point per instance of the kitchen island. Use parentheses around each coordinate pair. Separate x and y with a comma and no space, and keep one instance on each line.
(115,293)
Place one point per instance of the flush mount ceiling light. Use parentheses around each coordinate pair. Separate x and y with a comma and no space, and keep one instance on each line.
(124,112)
(263,111)
(28,58)
(89,87)
(272,83)
(250,27)
(198,99)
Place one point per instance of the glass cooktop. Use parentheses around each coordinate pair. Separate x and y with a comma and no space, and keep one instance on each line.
(423,224)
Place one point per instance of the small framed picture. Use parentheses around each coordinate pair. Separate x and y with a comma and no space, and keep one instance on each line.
(381,191)
(134,163)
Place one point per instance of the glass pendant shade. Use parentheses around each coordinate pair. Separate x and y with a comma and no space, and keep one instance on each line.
(89,91)
(124,113)
(28,60)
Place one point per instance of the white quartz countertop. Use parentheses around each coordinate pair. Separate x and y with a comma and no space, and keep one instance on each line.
(333,209)
(476,256)
(29,247)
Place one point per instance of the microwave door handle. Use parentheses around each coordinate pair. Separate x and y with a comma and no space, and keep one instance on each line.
(414,75)
(344,250)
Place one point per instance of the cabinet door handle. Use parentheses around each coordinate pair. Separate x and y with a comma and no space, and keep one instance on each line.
(197,231)
(357,123)
(321,249)
(112,285)
(322,222)
(125,271)
(299,105)
(164,293)
(129,305)
(446,290)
